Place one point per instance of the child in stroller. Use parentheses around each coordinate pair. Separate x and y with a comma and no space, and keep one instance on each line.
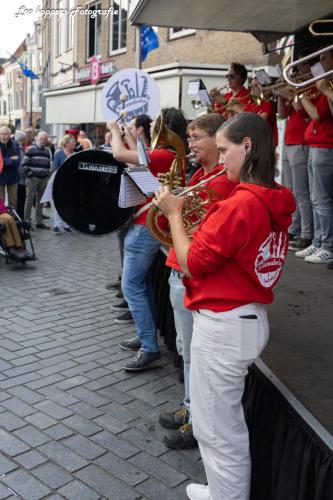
(13,233)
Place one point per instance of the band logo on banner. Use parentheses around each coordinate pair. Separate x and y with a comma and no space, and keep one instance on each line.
(143,96)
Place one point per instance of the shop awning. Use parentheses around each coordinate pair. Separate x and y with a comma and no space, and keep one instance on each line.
(260,17)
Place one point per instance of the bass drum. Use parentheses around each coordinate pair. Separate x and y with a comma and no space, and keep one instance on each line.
(86,191)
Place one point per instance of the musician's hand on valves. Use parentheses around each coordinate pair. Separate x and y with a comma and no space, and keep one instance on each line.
(323,86)
(168,203)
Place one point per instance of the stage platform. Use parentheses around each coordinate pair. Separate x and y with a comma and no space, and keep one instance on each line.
(300,349)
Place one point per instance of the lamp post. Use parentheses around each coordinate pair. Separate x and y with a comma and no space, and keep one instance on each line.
(30,119)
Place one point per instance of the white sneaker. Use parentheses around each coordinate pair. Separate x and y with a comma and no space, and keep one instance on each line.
(311,250)
(197,491)
(321,257)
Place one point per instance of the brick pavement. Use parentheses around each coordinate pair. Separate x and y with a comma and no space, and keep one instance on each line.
(73,424)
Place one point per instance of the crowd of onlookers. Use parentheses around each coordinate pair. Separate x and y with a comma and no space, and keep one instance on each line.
(28,159)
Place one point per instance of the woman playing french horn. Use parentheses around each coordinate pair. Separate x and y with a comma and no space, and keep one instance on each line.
(231,264)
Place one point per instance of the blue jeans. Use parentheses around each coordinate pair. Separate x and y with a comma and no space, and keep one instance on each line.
(296,178)
(321,187)
(184,327)
(139,251)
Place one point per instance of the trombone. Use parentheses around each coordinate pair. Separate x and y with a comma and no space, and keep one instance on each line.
(310,81)
(318,33)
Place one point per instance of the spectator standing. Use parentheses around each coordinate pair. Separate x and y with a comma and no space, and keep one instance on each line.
(36,165)
(67,148)
(10,175)
(20,138)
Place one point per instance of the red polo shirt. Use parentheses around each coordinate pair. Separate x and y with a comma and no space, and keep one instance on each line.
(319,133)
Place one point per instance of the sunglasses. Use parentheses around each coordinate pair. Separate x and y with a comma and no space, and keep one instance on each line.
(230,76)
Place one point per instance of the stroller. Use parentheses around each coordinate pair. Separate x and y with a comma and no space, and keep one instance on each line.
(25,234)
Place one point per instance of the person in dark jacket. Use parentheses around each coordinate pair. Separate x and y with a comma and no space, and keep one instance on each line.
(36,164)
(20,138)
(9,176)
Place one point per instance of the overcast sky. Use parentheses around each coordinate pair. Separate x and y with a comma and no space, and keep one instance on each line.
(13,29)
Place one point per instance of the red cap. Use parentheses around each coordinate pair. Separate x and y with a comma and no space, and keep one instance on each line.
(73,132)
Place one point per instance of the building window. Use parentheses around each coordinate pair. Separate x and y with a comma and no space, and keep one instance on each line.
(59,28)
(175,33)
(18,100)
(70,25)
(40,61)
(40,95)
(118,26)
(94,32)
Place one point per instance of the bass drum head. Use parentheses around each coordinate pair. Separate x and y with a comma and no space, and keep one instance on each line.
(86,191)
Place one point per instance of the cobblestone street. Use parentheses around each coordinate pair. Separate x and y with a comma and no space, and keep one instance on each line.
(73,424)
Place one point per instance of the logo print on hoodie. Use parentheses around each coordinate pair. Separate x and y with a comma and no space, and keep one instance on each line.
(269,262)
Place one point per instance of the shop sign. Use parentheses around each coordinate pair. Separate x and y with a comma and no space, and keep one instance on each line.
(95,71)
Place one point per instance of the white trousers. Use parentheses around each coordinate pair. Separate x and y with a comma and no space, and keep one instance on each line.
(57,220)
(223,346)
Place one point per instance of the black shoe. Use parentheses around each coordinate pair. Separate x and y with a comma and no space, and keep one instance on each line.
(119,295)
(181,439)
(13,253)
(125,318)
(68,229)
(42,226)
(122,306)
(131,345)
(143,361)
(45,217)
(292,237)
(299,244)
(175,419)
(114,284)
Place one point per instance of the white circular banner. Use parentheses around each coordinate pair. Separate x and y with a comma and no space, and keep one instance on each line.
(143,95)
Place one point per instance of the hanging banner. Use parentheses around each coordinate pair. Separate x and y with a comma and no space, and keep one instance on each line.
(132,91)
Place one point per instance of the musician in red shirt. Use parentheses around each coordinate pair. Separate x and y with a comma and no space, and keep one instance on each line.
(319,135)
(231,264)
(202,142)
(236,77)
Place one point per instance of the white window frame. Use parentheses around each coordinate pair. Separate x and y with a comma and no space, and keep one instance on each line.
(122,50)
(180,34)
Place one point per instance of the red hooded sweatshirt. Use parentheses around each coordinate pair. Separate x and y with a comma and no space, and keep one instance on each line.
(238,252)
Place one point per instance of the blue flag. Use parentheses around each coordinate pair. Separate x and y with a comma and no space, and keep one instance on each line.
(28,72)
(149,40)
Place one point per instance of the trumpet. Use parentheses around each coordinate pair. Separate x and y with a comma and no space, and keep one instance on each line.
(310,81)
(318,33)
(215,93)
(270,92)
(194,210)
